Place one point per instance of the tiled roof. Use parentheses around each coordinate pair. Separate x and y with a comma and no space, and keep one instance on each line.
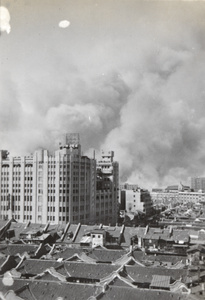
(25,293)
(123,293)
(3,223)
(143,274)
(84,230)
(93,271)
(164,258)
(160,281)
(2,260)
(129,232)
(72,228)
(105,255)
(53,290)
(36,266)
(113,231)
(17,284)
(30,290)
(138,255)
(194,248)
(62,270)
(14,249)
(47,276)
(118,282)
(180,235)
(67,253)
(21,228)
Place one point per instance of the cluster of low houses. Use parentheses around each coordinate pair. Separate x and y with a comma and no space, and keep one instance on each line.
(99,262)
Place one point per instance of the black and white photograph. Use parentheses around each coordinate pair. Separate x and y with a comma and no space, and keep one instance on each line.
(102,149)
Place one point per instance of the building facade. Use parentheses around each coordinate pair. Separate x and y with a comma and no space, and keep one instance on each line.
(198,184)
(57,188)
(128,186)
(107,190)
(178,197)
(136,201)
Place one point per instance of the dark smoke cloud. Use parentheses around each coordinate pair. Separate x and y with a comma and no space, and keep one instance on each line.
(131,81)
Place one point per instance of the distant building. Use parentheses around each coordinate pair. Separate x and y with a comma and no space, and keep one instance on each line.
(178,188)
(171,198)
(198,184)
(136,201)
(157,190)
(59,188)
(128,186)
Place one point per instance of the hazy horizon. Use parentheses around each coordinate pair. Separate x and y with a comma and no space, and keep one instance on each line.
(129,76)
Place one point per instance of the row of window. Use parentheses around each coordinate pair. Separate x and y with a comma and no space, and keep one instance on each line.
(28,198)
(4,191)
(51,208)
(51,218)
(51,198)
(29,217)
(27,208)
(63,209)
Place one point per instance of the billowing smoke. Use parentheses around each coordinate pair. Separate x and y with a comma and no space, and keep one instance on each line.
(136,88)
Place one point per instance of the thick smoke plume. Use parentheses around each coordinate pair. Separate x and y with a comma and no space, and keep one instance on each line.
(134,85)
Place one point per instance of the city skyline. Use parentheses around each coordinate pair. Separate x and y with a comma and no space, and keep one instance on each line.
(127,75)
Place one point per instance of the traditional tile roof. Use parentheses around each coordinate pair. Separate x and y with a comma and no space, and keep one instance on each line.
(124,293)
(117,281)
(36,266)
(195,248)
(14,249)
(105,255)
(129,232)
(66,253)
(53,290)
(82,270)
(17,284)
(173,259)
(72,229)
(8,263)
(160,281)
(23,229)
(48,290)
(142,274)
(51,275)
(113,231)
(156,233)
(138,255)
(180,235)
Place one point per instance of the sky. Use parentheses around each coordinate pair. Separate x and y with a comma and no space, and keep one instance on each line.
(129,76)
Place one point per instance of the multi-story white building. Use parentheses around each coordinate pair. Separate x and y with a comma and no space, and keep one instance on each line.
(58,187)
(135,201)
(128,186)
(173,198)
(198,184)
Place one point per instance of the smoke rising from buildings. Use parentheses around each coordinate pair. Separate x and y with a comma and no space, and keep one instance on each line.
(132,81)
